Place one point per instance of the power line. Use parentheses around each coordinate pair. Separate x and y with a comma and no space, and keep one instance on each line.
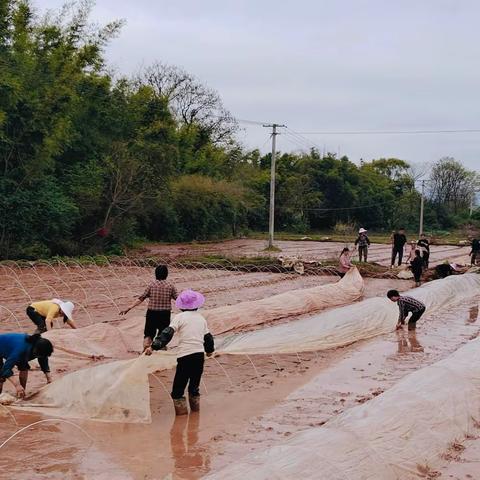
(390,132)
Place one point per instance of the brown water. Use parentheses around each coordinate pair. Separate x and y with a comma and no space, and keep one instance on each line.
(253,407)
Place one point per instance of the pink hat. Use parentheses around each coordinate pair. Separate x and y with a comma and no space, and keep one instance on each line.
(190,300)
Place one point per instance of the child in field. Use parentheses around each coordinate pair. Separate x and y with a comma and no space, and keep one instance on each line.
(43,313)
(194,341)
(407,305)
(160,294)
(416,265)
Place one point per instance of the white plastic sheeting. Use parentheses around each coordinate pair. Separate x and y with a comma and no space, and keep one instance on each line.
(348,324)
(118,391)
(398,435)
(288,304)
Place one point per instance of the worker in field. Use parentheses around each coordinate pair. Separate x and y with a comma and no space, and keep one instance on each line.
(362,242)
(407,305)
(475,251)
(43,313)
(160,294)
(194,340)
(411,251)
(424,247)
(399,239)
(344,262)
(16,350)
(416,265)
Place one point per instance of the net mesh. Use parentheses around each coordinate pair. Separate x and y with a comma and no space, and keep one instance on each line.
(118,391)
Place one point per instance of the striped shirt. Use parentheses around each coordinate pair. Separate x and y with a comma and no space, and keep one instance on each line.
(408,304)
(160,294)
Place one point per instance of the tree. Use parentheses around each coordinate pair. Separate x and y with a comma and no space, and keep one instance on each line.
(452,185)
(191,102)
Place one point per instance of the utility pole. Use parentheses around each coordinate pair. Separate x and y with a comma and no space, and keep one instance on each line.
(422,201)
(271,219)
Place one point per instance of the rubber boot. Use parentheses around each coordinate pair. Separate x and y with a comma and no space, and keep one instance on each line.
(180,405)
(194,401)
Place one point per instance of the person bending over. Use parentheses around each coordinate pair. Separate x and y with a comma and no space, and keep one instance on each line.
(160,294)
(16,350)
(43,313)
(194,340)
(407,305)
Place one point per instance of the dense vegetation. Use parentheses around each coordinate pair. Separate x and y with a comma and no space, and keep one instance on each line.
(89,161)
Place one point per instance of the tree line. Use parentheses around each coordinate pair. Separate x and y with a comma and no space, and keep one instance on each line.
(91,161)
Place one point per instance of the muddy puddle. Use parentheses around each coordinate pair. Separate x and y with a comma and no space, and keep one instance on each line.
(247,403)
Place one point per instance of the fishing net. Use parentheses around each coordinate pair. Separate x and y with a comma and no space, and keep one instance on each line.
(399,434)
(118,391)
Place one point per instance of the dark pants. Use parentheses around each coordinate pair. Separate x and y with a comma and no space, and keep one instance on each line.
(412,323)
(189,371)
(362,252)
(155,322)
(417,274)
(426,258)
(397,251)
(475,254)
(37,319)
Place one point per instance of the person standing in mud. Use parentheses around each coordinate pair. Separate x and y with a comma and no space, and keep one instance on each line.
(424,247)
(362,242)
(16,350)
(475,252)
(160,294)
(407,305)
(416,265)
(43,313)
(194,341)
(399,240)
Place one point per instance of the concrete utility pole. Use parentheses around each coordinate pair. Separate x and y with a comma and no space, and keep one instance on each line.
(271,220)
(422,201)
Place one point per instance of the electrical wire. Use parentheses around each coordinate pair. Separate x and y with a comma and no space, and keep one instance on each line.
(390,132)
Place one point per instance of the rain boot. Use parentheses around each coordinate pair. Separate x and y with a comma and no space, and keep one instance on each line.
(194,401)
(180,405)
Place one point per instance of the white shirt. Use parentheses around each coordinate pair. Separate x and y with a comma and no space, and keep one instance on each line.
(190,328)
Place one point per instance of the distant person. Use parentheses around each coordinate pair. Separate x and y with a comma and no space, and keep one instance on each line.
(424,246)
(16,350)
(399,240)
(475,251)
(43,313)
(411,251)
(194,341)
(160,294)
(363,242)
(416,265)
(407,305)
(345,263)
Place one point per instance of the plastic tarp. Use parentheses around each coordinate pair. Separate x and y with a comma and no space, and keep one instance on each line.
(288,304)
(118,391)
(344,325)
(397,435)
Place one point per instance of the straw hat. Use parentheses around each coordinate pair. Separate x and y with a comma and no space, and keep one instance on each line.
(65,307)
(362,230)
(190,300)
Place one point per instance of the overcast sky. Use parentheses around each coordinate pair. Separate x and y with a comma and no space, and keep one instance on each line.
(321,65)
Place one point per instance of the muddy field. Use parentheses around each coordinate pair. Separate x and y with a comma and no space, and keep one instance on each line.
(304,249)
(247,402)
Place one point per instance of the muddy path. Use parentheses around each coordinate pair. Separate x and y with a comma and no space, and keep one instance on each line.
(247,403)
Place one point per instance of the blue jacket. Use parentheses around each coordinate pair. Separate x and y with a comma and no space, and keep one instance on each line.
(16,351)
